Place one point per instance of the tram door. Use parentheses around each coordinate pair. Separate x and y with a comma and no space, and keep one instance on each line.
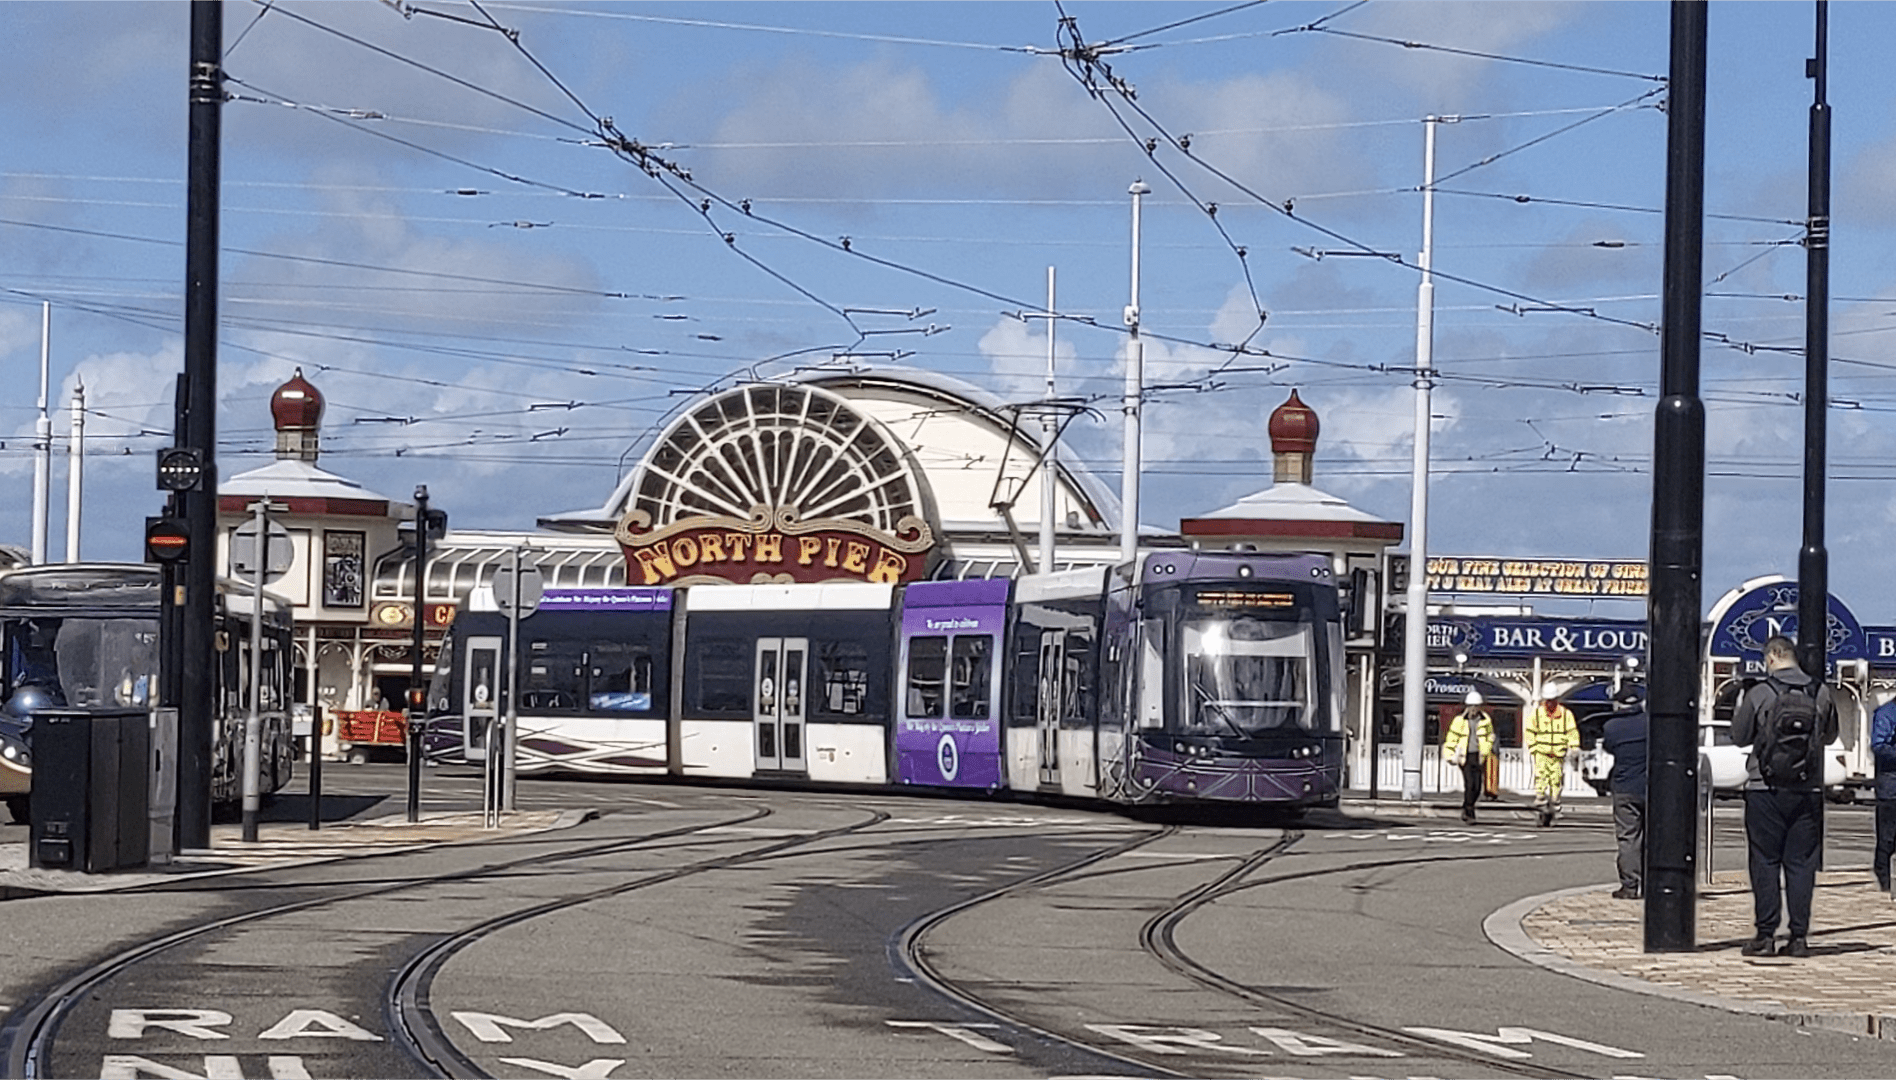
(781,664)
(480,695)
(1051,701)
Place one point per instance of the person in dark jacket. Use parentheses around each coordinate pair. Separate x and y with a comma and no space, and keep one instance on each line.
(1883,746)
(1625,738)
(1784,824)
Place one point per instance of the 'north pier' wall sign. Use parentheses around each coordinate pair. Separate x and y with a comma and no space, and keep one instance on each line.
(771,545)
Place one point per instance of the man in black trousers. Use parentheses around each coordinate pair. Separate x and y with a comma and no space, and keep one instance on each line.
(1625,738)
(1784,806)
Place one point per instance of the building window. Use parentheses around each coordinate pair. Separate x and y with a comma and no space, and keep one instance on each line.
(342,569)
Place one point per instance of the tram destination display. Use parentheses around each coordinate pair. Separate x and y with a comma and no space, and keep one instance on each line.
(1537,577)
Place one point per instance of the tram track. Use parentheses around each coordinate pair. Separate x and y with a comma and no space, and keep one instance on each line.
(28,1036)
(1157,938)
(411,1019)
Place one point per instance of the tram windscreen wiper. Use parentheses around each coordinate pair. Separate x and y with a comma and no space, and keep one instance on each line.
(1221,711)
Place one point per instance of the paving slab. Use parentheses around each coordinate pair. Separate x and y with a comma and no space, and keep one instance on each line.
(1843,985)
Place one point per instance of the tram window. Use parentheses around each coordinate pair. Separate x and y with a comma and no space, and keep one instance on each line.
(928,657)
(553,675)
(973,674)
(1152,673)
(842,678)
(723,676)
(621,678)
(1025,691)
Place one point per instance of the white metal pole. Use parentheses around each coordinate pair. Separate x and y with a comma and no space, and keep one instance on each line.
(513,691)
(253,723)
(1416,623)
(43,445)
(1135,390)
(75,470)
(1047,429)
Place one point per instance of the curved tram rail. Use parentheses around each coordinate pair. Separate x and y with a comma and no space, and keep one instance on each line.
(1157,940)
(31,1031)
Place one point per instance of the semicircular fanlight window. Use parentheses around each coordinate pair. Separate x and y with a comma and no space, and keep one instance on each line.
(786,447)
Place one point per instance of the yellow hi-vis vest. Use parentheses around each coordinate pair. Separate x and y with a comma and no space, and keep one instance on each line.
(1551,734)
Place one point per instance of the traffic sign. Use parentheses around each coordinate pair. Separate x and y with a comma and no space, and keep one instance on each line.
(180,468)
(278,554)
(531,586)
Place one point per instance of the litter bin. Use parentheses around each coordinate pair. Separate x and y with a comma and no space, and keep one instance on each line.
(91,799)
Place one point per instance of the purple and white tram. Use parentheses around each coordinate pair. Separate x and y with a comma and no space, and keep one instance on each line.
(1184,677)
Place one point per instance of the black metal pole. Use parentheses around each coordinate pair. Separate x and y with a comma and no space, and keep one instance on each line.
(315,760)
(1678,509)
(199,576)
(417,690)
(1813,561)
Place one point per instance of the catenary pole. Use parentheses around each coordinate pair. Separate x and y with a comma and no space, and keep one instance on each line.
(417,690)
(253,719)
(75,470)
(1813,561)
(1135,393)
(1678,509)
(1048,426)
(43,441)
(1415,657)
(199,576)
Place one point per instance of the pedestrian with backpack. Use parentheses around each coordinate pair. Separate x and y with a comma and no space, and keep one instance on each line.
(1785,720)
(1883,748)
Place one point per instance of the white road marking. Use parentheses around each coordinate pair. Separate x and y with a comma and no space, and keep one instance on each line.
(197,1023)
(957,1031)
(487,1027)
(216,1067)
(596,1069)
(296,1026)
(1169,1040)
(1313,1045)
(1498,1044)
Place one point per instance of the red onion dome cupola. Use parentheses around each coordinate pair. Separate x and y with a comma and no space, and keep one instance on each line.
(1293,429)
(297,409)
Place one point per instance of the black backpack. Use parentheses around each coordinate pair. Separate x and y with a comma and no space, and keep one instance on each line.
(1787,739)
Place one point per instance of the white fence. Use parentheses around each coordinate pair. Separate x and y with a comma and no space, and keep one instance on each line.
(1517,772)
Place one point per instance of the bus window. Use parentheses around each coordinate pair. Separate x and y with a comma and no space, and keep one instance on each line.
(927,658)
(972,672)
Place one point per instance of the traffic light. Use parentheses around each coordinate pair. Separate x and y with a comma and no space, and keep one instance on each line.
(167,539)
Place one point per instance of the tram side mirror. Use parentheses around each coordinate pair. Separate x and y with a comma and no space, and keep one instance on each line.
(1359,601)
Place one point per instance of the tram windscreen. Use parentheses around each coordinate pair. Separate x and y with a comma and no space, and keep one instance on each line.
(83,662)
(1249,664)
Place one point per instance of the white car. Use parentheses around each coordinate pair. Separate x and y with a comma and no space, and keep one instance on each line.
(1727,761)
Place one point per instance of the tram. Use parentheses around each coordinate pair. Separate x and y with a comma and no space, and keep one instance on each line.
(1182,677)
(85,635)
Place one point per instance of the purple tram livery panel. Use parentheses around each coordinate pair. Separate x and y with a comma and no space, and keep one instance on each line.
(948,728)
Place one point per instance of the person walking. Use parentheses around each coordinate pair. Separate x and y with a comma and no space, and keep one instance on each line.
(1552,734)
(1624,736)
(1883,747)
(1469,742)
(1785,720)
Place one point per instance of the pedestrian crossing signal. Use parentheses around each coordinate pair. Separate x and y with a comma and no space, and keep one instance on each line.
(167,539)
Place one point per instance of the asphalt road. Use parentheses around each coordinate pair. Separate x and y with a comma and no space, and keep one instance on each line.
(697,931)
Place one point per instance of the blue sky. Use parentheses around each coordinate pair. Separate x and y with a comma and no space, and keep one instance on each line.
(511,348)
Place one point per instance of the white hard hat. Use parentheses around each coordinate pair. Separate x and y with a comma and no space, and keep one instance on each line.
(1474,697)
